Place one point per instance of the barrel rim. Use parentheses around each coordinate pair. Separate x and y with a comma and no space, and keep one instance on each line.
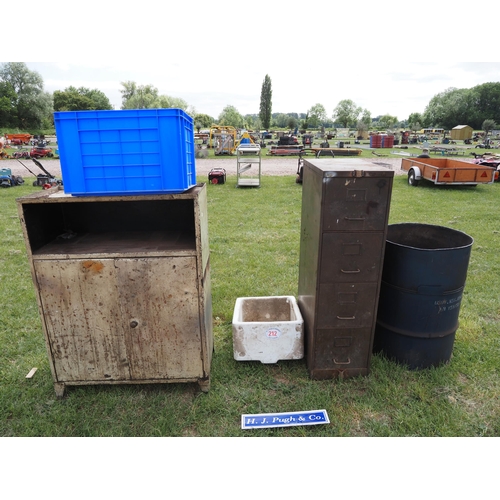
(434,226)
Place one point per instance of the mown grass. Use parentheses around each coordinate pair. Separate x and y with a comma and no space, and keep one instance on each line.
(254,242)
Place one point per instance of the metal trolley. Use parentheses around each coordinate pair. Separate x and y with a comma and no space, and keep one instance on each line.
(249,166)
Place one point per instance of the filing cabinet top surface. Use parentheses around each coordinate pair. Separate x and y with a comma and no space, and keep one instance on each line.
(352,167)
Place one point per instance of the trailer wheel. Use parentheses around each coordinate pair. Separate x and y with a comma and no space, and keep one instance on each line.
(412,180)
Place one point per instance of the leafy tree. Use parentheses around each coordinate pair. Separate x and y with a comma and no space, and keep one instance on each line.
(257,124)
(139,96)
(248,122)
(415,118)
(317,115)
(292,123)
(205,121)
(22,79)
(33,105)
(128,90)
(305,122)
(231,117)
(73,99)
(147,97)
(266,95)
(346,113)
(99,98)
(488,126)
(252,122)
(387,121)
(8,111)
(166,101)
(448,109)
(484,104)
(280,120)
(35,111)
(366,118)
(415,126)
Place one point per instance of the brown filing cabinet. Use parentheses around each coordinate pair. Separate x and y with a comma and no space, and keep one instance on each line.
(345,210)
(123,286)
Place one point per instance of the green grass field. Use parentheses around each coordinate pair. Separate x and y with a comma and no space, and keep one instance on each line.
(254,243)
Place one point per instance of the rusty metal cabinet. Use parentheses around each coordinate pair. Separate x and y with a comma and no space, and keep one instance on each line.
(123,286)
(345,210)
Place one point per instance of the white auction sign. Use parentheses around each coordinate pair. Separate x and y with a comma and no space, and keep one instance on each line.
(290,419)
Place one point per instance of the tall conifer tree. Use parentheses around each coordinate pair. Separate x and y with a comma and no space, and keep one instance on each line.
(266,103)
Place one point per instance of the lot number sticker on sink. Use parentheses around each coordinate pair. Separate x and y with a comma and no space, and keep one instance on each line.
(273,333)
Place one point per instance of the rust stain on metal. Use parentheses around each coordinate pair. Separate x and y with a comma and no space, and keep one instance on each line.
(93,266)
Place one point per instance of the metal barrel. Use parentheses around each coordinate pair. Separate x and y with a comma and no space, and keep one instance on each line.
(423,278)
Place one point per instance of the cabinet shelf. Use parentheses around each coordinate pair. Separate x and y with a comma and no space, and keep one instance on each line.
(119,243)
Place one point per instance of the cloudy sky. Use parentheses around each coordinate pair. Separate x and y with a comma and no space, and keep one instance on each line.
(395,91)
(213,54)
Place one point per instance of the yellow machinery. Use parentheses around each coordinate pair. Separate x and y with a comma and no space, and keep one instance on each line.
(224,139)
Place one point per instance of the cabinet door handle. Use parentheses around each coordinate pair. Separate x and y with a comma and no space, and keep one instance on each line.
(350,272)
(342,362)
(133,324)
(346,317)
(360,219)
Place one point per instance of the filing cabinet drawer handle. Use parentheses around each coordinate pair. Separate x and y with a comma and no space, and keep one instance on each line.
(361,219)
(348,362)
(350,272)
(346,317)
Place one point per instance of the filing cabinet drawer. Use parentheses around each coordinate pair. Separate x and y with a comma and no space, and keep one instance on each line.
(342,348)
(349,305)
(355,204)
(351,257)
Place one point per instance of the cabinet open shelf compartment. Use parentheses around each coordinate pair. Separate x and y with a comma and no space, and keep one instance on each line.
(104,227)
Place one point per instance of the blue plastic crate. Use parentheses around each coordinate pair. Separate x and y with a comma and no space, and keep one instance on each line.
(120,152)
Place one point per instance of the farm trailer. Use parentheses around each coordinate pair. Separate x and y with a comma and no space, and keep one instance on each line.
(18,139)
(445,171)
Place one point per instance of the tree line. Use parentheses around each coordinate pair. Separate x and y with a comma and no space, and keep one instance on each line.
(24,104)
